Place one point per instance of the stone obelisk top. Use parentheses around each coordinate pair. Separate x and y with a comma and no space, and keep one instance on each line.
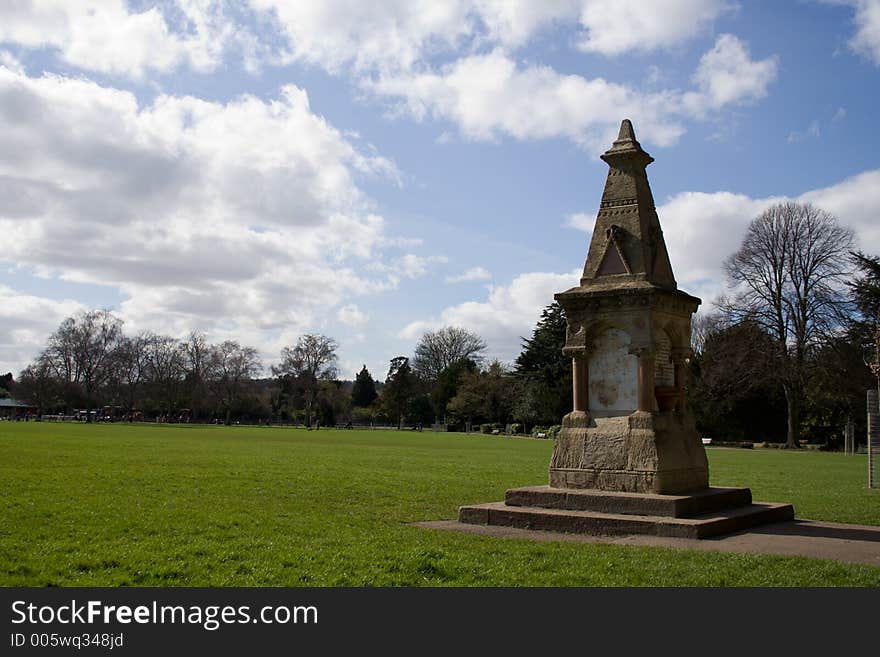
(627,247)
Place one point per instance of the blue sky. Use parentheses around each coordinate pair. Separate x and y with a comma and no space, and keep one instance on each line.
(262,169)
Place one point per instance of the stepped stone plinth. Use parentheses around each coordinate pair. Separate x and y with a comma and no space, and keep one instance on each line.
(629,458)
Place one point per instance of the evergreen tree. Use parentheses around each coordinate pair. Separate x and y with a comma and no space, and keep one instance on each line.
(546,372)
(865,328)
(400,388)
(363,393)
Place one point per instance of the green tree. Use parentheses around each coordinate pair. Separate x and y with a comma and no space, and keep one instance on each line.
(487,396)
(5,384)
(448,384)
(865,326)
(545,371)
(400,387)
(733,393)
(304,366)
(363,392)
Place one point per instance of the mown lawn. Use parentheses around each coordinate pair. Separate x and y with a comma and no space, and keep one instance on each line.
(144,505)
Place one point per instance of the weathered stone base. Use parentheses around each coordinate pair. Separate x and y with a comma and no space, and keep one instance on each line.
(640,453)
(710,512)
(705,501)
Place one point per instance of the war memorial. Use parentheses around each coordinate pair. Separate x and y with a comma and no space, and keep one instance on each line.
(628,459)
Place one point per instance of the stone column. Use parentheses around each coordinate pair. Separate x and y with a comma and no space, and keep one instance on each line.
(646,378)
(580,379)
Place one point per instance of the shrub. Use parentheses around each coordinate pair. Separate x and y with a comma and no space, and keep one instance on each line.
(515,428)
(553,431)
(486,428)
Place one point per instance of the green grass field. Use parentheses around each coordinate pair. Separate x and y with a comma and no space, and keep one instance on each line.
(142,505)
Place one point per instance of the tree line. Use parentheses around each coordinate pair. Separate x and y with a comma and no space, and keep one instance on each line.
(787,353)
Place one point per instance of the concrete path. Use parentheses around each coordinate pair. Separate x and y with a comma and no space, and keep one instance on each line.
(806,538)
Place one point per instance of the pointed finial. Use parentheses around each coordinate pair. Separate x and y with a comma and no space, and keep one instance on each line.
(627,146)
(626,131)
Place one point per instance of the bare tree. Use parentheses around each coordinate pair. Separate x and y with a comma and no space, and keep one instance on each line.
(131,366)
(83,350)
(196,352)
(38,383)
(164,371)
(311,360)
(230,368)
(439,349)
(788,278)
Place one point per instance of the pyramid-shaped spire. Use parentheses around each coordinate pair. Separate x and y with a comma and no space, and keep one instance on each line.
(627,245)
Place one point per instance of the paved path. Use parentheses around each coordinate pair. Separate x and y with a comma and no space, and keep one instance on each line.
(806,538)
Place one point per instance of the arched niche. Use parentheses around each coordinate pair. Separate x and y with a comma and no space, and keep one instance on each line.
(613,375)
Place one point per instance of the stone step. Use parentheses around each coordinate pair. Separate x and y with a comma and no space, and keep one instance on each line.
(644,504)
(595,522)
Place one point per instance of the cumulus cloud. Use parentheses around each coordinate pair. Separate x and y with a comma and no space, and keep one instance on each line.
(244,219)
(402,35)
(490,95)
(25,322)
(393,49)
(866,40)
(727,74)
(111,38)
(393,34)
(614,27)
(581,221)
(472,274)
(509,312)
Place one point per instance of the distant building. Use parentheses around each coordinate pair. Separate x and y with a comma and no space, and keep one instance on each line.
(12,408)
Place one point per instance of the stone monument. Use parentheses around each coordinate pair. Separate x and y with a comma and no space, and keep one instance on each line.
(629,333)
(629,458)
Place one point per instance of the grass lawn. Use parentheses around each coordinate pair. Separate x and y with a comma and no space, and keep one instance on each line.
(143,505)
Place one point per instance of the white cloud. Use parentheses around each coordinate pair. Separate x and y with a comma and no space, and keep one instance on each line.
(702,229)
(856,202)
(614,27)
(394,34)
(351,315)
(472,274)
(866,40)
(403,35)
(489,96)
(509,313)
(26,321)
(727,74)
(110,38)
(411,265)
(839,114)
(243,219)
(337,35)
(581,221)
